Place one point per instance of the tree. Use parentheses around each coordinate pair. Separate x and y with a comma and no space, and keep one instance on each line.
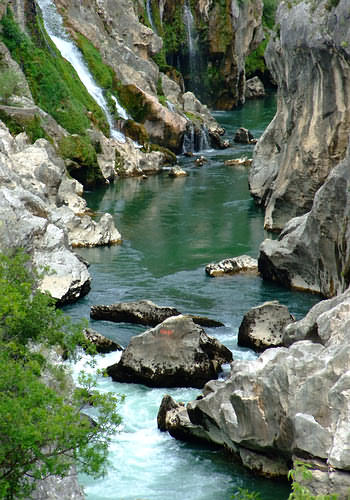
(43,430)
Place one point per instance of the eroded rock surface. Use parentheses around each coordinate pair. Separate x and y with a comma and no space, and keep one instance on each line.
(309,59)
(290,402)
(176,353)
(312,252)
(263,326)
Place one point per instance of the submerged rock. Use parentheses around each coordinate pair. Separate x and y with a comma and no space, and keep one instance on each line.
(244,136)
(176,353)
(177,172)
(263,326)
(143,312)
(243,263)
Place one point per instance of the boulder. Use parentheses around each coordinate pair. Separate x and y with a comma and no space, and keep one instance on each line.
(263,326)
(176,353)
(103,344)
(177,172)
(239,161)
(143,312)
(254,88)
(243,136)
(243,263)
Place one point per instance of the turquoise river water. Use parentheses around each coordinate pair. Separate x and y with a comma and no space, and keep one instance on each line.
(171,229)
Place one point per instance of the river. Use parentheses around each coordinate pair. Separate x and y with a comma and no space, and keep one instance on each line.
(171,229)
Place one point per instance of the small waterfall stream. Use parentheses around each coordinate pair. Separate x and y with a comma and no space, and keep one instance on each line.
(191,38)
(55,29)
(150,16)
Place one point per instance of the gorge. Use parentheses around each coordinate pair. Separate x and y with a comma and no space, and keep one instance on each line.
(104,94)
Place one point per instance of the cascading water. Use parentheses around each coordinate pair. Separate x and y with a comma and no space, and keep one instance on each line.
(195,140)
(191,38)
(188,145)
(55,29)
(150,16)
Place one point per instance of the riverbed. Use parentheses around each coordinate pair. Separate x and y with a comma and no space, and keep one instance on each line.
(171,229)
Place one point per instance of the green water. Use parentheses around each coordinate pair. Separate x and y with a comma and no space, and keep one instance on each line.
(171,229)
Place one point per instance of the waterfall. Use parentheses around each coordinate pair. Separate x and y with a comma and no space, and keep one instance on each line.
(191,38)
(204,142)
(149,15)
(55,29)
(188,145)
(195,139)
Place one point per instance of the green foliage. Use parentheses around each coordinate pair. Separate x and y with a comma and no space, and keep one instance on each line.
(255,62)
(269,12)
(103,74)
(244,494)
(84,166)
(9,84)
(42,427)
(331,4)
(32,126)
(54,84)
(302,473)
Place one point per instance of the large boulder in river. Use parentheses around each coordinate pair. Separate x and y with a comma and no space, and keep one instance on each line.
(309,59)
(176,353)
(143,312)
(263,326)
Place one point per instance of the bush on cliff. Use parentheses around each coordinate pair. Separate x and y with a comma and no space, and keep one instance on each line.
(42,429)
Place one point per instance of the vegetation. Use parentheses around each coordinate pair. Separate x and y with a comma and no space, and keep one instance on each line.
(42,428)
(9,84)
(54,84)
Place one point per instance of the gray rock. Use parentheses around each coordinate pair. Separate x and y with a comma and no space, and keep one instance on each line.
(254,88)
(177,172)
(176,353)
(288,402)
(312,252)
(143,312)
(309,133)
(243,263)
(243,136)
(263,326)
(103,344)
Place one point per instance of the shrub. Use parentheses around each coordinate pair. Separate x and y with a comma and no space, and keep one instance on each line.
(9,84)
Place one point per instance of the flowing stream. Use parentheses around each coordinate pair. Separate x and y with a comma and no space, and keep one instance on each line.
(172,228)
(55,29)
(150,16)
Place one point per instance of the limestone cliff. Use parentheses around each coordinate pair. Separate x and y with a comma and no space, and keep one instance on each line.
(207,42)
(309,59)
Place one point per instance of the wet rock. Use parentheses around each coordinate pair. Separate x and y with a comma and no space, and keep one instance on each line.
(239,161)
(176,353)
(103,344)
(243,263)
(143,312)
(254,88)
(177,172)
(199,162)
(263,326)
(244,136)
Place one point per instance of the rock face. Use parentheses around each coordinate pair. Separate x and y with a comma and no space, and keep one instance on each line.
(243,263)
(312,252)
(143,312)
(103,344)
(254,88)
(288,402)
(309,59)
(35,196)
(176,353)
(263,326)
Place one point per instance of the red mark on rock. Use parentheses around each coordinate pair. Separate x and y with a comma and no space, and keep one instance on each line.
(165,331)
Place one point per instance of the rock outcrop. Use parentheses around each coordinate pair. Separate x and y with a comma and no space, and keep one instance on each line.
(176,353)
(37,209)
(263,326)
(312,253)
(290,402)
(243,263)
(102,344)
(143,312)
(254,88)
(309,59)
